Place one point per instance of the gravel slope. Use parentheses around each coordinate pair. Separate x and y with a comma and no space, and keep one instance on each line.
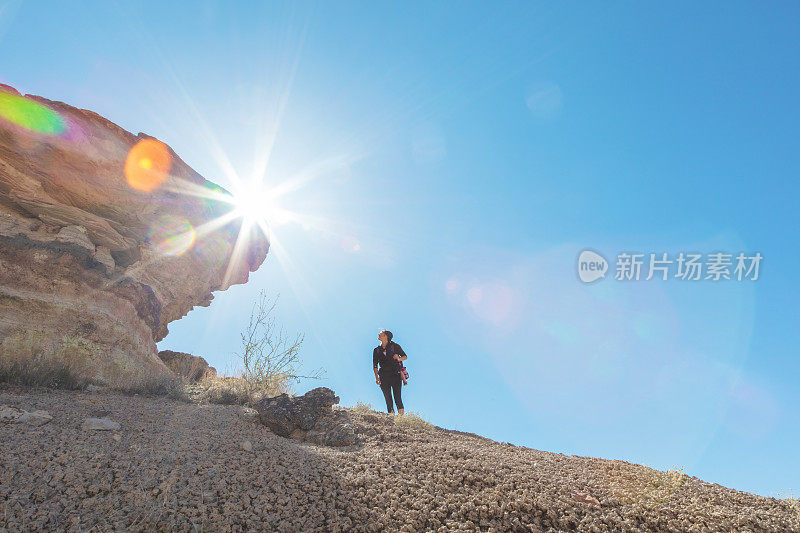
(175,466)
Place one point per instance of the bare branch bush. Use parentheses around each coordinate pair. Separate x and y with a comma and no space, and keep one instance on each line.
(270,358)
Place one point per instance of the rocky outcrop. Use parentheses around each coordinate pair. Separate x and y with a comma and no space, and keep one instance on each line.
(192,367)
(105,238)
(309,418)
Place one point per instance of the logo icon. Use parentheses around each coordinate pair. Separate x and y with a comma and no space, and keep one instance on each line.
(591,266)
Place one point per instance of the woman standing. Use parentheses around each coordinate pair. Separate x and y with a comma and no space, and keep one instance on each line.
(389,355)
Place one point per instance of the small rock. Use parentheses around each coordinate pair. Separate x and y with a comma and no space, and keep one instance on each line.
(117,437)
(248,413)
(12,415)
(246,446)
(101,424)
(35,418)
(9,415)
(585,498)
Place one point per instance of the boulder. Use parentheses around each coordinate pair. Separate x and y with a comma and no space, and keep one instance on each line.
(283,414)
(309,418)
(105,238)
(192,367)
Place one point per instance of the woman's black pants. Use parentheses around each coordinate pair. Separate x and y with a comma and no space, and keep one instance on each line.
(396,386)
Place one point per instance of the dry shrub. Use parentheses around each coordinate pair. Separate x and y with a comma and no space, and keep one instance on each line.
(363,407)
(791,502)
(411,419)
(650,488)
(130,376)
(161,385)
(675,477)
(39,359)
(270,362)
(231,391)
(270,359)
(36,359)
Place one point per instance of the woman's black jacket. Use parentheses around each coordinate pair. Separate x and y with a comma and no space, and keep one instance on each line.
(389,367)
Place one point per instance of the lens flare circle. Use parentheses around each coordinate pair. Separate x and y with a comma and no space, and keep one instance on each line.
(172,236)
(147,165)
(31,115)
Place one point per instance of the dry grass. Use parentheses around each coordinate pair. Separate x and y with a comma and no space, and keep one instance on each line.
(171,387)
(791,501)
(39,360)
(671,482)
(363,407)
(411,419)
(656,487)
(33,359)
(270,363)
(231,390)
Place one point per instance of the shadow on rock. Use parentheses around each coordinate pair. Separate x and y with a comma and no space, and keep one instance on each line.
(308,418)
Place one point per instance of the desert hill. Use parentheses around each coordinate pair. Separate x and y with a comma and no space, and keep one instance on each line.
(178,466)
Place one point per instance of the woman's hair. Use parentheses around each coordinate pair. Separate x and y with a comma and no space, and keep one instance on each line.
(388,334)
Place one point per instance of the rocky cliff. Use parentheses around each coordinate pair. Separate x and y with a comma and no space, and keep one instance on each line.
(105,238)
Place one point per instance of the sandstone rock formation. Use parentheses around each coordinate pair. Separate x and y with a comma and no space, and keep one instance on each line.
(192,367)
(105,238)
(308,418)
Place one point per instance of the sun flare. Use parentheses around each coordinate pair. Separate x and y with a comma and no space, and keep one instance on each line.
(254,205)
(261,207)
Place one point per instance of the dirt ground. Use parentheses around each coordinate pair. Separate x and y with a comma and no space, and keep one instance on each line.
(175,466)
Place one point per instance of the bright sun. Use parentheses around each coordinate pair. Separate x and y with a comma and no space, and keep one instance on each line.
(254,205)
(260,207)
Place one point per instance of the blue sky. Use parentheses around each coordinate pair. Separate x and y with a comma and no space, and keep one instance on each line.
(455,159)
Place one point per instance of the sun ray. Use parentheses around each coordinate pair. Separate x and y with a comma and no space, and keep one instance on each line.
(312,172)
(289,269)
(215,224)
(209,138)
(267,141)
(242,240)
(187,188)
